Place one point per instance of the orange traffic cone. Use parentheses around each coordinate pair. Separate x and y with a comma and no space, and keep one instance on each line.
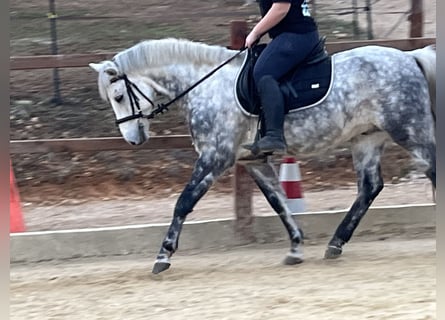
(290,179)
(16,223)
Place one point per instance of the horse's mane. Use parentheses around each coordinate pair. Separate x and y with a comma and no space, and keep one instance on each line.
(158,53)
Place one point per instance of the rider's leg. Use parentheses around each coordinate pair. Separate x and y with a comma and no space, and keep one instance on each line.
(281,55)
(272,102)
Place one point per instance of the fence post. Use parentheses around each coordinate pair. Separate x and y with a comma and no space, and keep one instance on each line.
(238,34)
(243,193)
(416,19)
(52,16)
(314,9)
(242,182)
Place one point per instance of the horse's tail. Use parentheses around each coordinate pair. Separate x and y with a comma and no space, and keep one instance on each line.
(426,60)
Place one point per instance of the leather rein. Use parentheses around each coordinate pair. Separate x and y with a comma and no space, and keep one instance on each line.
(160,107)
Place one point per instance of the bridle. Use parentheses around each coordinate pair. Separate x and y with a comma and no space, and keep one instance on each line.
(134,100)
(160,107)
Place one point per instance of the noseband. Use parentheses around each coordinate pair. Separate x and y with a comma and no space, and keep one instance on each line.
(161,107)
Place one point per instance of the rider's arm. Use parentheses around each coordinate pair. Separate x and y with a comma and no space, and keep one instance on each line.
(276,13)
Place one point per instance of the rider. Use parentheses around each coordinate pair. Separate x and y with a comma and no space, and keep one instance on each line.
(294,34)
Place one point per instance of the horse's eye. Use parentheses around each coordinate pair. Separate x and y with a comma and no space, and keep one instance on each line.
(119,98)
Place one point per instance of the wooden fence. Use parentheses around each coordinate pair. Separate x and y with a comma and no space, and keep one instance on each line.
(82,60)
(243,184)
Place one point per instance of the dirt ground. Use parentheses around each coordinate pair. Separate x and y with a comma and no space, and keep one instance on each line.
(381,280)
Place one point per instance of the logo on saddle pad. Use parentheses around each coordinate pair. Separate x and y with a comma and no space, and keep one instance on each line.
(304,86)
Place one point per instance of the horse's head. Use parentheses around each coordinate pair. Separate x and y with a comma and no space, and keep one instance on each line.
(132,98)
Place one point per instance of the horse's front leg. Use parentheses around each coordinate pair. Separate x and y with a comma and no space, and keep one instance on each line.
(206,171)
(267,180)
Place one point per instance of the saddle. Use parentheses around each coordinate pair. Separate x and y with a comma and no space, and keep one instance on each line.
(304,86)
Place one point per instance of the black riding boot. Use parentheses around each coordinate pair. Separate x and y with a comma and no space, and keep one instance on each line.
(272,102)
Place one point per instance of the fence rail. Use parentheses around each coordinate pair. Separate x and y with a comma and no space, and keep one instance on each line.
(97,144)
(82,60)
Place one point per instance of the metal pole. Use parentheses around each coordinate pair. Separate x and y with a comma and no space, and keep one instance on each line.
(52,16)
(355,19)
(369,19)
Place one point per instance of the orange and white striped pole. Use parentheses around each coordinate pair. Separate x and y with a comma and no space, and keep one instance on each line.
(290,179)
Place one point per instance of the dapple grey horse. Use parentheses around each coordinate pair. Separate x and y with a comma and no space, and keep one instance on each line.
(378,94)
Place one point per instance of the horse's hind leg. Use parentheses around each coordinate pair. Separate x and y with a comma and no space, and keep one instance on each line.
(267,180)
(204,174)
(418,138)
(366,153)
(424,155)
(426,159)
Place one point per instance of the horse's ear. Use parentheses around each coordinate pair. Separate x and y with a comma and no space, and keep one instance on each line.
(96,66)
(110,70)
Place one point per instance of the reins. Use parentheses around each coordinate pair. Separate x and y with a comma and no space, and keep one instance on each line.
(161,107)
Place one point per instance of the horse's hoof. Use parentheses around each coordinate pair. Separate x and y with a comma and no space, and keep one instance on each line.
(332,252)
(291,260)
(160,266)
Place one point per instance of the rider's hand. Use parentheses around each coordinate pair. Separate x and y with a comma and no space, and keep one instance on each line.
(251,39)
